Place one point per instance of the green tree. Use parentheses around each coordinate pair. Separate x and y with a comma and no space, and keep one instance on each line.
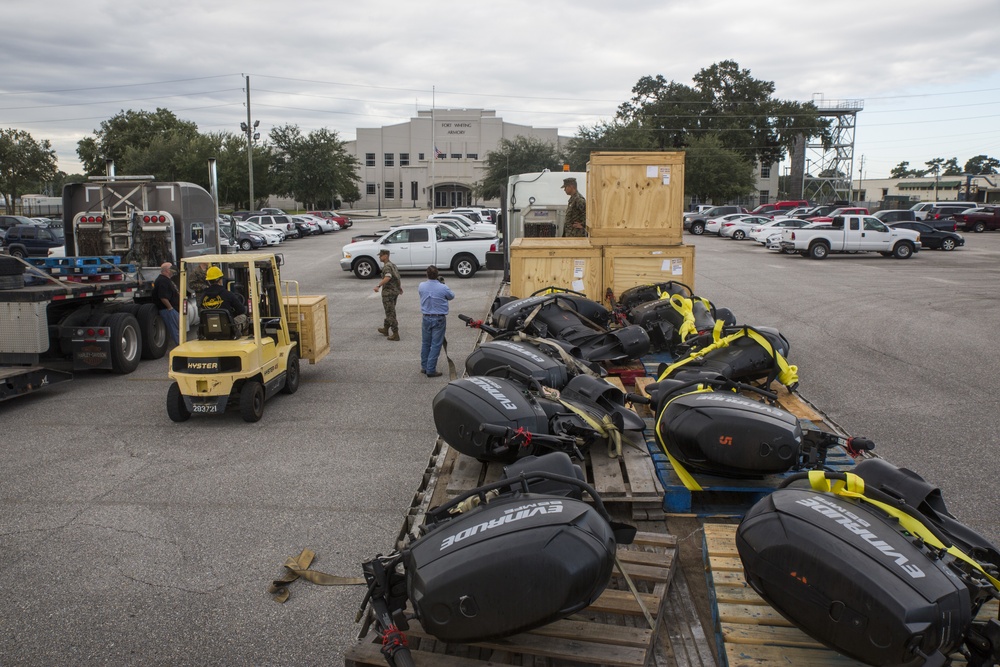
(23,161)
(728,102)
(520,155)
(934,166)
(311,168)
(606,136)
(982,164)
(713,172)
(130,129)
(951,168)
(902,170)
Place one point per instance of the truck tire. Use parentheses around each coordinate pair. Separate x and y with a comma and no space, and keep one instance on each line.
(697,227)
(10,267)
(978,228)
(11,282)
(252,401)
(819,250)
(126,343)
(154,331)
(465,266)
(291,373)
(903,250)
(365,268)
(176,409)
(18,252)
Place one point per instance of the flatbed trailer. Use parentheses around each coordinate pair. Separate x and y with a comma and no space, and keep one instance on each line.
(88,318)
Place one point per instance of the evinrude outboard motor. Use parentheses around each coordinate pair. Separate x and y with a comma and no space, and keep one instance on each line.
(672,320)
(636,296)
(870,576)
(498,560)
(475,415)
(742,354)
(571,318)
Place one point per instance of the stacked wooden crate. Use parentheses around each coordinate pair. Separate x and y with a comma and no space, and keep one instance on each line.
(635,204)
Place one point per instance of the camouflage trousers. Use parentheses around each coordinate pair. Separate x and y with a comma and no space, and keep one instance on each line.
(389,304)
(570,231)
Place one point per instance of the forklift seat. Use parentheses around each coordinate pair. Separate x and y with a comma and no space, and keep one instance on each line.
(216,324)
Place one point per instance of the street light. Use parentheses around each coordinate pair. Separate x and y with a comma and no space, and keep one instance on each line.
(378,195)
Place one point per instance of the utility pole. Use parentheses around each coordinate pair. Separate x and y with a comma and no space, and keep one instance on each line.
(861,175)
(249,128)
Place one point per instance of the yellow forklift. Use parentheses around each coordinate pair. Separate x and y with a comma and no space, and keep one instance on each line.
(221,359)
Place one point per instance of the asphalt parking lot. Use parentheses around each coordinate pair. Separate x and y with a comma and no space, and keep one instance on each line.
(126,538)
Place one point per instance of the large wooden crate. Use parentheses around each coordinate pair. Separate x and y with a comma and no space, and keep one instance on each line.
(635,198)
(308,316)
(629,266)
(571,263)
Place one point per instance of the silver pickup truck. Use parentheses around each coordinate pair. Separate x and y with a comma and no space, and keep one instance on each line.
(851,233)
(417,246)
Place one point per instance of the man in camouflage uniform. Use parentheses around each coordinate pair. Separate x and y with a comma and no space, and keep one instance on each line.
(391,287)
(576,210)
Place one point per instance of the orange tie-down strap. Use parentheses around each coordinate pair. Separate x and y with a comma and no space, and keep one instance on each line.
(298,567)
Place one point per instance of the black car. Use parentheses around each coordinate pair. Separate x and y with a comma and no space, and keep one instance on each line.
(936,239)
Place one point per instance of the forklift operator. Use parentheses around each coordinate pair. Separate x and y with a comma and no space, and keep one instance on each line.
(218,297)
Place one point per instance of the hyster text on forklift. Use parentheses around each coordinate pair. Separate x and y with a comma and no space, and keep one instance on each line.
(94,307)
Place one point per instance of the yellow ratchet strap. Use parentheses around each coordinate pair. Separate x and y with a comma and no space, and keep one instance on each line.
(685,307)
(686,478)
(718,342)
(606,427)
(854,487)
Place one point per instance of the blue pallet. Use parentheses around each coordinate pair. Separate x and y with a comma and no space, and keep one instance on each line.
(75,261)
(91,270)
(721,496)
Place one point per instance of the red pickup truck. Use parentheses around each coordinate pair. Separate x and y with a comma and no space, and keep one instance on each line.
(979,219)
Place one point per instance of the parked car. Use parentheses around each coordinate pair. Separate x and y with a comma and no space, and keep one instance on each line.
(31,240)
(815,211)
(325,224)
(270,237)
(760,233)
(306,227)
(272,211)
(474,214)
(8,221)
(342,220)
(839,212)
(739,228)
(923,209)
(485,227)
(697,222)
(714,225)
(930,237)
(944,212)
(896,215)
(281,222)
(247,240)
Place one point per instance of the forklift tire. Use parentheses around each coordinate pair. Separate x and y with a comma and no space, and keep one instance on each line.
(154,331)
(126,343)
(176,409)
(291,373)
(252,401)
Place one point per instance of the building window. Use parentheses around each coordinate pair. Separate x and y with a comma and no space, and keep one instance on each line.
(420,157)
(370,189)
(765,171)
(472,156)
(404,159)
(198,233)
(369,159)
(390,190)
(456,156)
(764,196)
(390,160)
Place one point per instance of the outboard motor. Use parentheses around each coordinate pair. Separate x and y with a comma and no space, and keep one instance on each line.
(636,296)
(742,354)
(548,361)
(498,560)
(869,575)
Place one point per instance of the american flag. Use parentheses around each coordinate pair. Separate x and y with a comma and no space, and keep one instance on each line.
(438,153)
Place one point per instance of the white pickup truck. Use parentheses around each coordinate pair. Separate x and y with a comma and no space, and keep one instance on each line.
(417,246)
(851,233)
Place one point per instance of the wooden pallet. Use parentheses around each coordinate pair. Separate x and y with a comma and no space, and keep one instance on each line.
(610,632)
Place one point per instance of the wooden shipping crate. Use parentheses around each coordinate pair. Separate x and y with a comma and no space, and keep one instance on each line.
(629,266)
(571,263)
(635,198)
(308,316)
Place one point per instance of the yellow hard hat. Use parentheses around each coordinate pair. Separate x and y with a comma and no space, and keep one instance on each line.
(213,273)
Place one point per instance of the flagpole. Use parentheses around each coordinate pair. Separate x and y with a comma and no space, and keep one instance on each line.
(433,153)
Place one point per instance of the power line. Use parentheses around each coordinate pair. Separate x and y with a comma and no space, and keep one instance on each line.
(123,85)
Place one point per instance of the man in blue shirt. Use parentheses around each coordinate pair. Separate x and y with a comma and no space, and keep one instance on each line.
(434,298)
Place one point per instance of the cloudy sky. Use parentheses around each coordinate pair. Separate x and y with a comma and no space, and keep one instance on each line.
(927,71)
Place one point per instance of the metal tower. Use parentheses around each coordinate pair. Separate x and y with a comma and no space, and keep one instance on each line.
(827,171)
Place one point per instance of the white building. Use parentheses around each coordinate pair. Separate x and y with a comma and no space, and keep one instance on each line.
(443,150)
(929,188)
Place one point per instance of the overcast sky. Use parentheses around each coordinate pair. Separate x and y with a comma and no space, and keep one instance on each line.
(927,71)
